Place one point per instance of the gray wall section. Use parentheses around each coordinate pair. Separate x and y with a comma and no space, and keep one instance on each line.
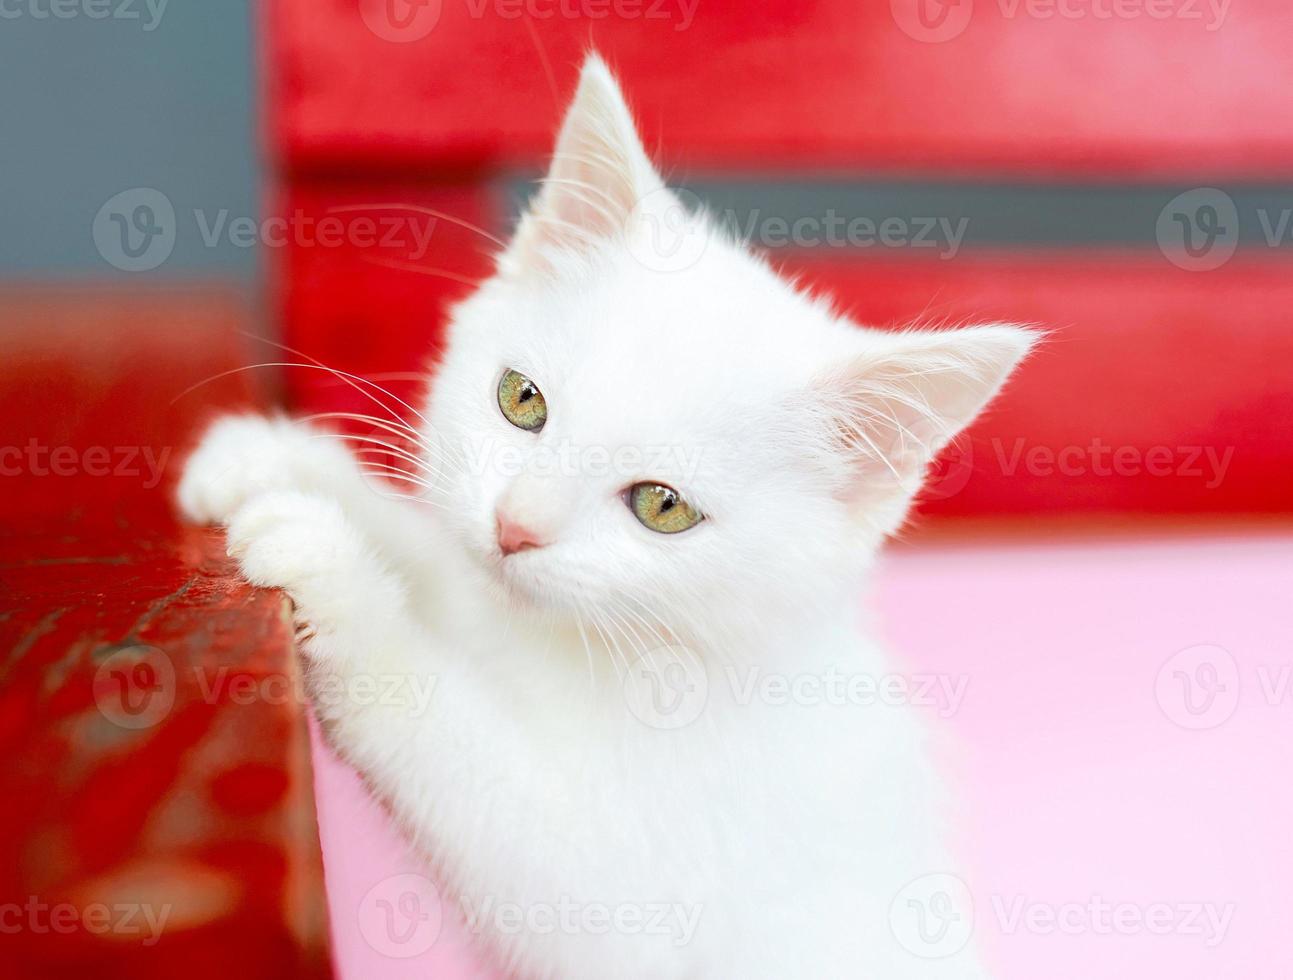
(995,214)
(944,218)
(156,94)
(159,95)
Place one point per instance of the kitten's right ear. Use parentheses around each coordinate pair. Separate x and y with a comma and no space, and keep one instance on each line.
(600,173)
(896,402)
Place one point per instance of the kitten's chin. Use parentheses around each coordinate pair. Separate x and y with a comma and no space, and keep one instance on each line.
(521,581)
(520,587)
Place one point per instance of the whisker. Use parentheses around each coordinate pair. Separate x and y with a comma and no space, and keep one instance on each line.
(296,364)
(374,440)
(579,623)
(392,376)
(391,475)
(399,429)
(345,375)
(422,209)
(389,447)
(399,472)
(607,644)
(421,270)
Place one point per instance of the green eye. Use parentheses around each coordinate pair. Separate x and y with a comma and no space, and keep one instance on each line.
(662,509)
(522,402)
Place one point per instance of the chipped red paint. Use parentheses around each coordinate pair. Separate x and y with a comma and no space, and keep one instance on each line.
(146,771)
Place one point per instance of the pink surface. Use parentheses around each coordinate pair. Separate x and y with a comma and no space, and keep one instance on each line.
(371,874)
(1123,751)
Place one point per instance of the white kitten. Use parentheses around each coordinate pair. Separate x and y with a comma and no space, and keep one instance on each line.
(609,732)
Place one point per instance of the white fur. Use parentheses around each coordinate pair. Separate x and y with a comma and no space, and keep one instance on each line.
(789,829)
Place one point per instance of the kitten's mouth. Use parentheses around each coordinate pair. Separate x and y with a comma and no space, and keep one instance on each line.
(535,584)
(521,580)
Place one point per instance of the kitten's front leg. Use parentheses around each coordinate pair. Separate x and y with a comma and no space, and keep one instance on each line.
(370,667)
(397,698)
(360,628)
(306,545)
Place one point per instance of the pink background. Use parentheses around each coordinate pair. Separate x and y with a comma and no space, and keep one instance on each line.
(1078,778)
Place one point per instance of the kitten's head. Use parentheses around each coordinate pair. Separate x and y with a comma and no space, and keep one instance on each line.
(638,415)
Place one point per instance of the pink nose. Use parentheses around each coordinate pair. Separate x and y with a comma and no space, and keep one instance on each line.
(514,537)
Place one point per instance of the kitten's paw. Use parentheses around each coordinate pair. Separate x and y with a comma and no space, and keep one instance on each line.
(305,545)
(245,456)
(297,542)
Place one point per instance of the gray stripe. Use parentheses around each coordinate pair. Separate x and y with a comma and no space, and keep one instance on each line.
(946,217)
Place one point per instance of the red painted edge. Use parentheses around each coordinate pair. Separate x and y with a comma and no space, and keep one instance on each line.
(159,818)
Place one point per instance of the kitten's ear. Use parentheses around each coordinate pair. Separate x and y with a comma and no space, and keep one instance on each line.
(902,398)
(599,174)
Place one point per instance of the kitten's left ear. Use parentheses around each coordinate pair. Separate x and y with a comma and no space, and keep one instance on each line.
(904,396)
(599,174)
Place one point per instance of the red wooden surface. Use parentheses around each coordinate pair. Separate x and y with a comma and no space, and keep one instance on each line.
(1087,88)
(158,818)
